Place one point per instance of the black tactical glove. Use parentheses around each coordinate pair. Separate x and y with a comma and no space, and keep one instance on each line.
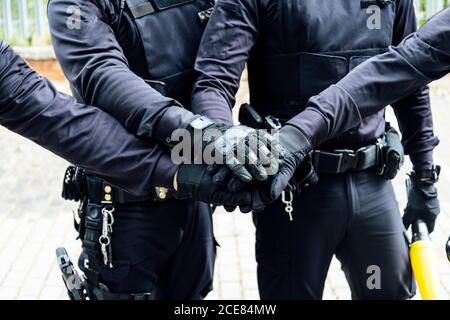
(392,153)
(194,182)
(292,146)
(244,150)
(423,200)
(296,146)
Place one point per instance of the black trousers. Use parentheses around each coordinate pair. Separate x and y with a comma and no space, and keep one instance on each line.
(353,215)
(166,249)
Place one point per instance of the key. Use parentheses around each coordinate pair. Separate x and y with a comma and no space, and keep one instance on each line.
(105,240)
(288,204)
(104,254)
(105,243)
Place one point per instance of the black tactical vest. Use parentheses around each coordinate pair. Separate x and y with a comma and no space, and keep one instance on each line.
(170,31)
(320,41)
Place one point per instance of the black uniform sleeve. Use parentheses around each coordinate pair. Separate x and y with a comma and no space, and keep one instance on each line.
(418,60)
(225,47)
(413,112)
(83,135)
(96,67)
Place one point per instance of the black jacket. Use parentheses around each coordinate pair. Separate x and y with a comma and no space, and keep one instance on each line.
(107,66)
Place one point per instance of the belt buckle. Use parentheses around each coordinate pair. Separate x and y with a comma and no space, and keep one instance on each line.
(349,159)
(344,159)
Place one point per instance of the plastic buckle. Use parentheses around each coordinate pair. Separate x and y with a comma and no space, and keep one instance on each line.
(349,160)
(322,165)
(436,172)
(430,176)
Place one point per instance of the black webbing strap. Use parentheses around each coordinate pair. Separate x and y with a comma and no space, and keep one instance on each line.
(92,232)
(340,161)
(97,189)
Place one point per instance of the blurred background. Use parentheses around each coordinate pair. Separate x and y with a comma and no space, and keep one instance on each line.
(34,219)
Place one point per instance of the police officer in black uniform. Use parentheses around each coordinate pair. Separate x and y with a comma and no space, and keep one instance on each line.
(134,59)
(97,142)
(295,49)
(422,57)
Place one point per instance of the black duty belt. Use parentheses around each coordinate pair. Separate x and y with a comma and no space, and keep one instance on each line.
(344,160)
(99,191)
(324,161)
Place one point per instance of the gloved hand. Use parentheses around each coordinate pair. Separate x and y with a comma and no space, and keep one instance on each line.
(296,146)
(193,181)
(423,202)
(393,153)
(259,198)
(244,150)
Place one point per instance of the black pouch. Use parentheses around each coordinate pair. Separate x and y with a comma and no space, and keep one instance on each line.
(305,176)
(392,154)
(249,117)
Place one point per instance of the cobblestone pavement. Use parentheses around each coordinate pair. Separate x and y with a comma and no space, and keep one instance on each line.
(34,220)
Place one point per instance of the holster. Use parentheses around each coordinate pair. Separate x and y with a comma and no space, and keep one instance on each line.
(305,176)
(392,155)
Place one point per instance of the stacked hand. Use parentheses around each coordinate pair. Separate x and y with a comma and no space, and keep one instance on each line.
(244,150)
(257,166)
